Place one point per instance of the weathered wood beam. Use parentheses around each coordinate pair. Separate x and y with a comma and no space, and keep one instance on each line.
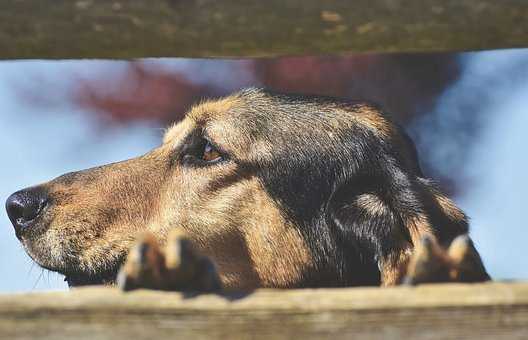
(450,311)
(253,28)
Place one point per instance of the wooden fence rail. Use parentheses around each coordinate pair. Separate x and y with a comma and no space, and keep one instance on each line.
(254,28)
(449,311)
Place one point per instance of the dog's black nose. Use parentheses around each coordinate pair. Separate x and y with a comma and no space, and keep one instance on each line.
(24,206)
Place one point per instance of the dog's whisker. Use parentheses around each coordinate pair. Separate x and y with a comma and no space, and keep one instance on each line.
(31,268)
(38,279)
(48,277)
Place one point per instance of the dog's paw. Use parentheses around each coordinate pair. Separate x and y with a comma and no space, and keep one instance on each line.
(432,263)
(467,264)
(428,263)
(186,269)
(144,266)
(177,267)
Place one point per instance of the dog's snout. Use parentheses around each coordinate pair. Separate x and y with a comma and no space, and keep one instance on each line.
(24,206)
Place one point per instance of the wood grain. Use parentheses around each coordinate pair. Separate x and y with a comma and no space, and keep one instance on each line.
(254,28)
(447,311)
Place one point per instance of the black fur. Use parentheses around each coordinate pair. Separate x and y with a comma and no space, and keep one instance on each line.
(317,183)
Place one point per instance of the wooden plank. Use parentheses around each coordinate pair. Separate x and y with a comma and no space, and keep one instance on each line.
(251,28)
(449,311)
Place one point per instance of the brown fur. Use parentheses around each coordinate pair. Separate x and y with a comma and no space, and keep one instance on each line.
(226,211)
(98,213)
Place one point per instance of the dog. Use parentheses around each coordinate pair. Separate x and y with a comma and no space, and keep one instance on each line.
(257,189)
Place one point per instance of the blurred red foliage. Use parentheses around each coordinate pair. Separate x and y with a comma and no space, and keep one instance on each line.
(404,85)
(139,93)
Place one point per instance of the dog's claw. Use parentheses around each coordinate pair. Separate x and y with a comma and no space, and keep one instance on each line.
(178,267)
(431,263)
(186,268)
(467,264)
(144,267)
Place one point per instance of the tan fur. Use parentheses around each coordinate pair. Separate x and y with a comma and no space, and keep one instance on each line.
(151,259)
(372,119)
(278,251)
(223,210)
(177,132)
(371,204)
(394,267)
(88,227)
(213,110)
(449,208)
(418,227)
(429,262)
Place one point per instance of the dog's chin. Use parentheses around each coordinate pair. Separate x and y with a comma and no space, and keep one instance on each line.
(106,276)
(79,280)
(73,274)
(76,278)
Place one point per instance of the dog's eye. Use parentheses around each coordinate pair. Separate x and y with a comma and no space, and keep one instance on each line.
(210,154)
(199,151)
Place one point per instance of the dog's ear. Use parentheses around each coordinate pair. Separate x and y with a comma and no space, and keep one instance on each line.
(367,229)
(383,218)
(382,207)
(442,211)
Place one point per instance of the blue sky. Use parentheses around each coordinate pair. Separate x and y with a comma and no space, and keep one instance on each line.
(38,144)
(491,167)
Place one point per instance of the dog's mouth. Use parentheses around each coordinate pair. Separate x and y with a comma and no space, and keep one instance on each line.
(76,280)
(69,264)
(106,276)
(73,276)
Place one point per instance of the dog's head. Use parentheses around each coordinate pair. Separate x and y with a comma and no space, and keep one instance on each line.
(280,191)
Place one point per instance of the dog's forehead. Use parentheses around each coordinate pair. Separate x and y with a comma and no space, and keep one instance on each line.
(246,120)
(177,131)
(209,116)
(214,110)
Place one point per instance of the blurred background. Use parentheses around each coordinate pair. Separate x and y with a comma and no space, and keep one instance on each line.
(467,113)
